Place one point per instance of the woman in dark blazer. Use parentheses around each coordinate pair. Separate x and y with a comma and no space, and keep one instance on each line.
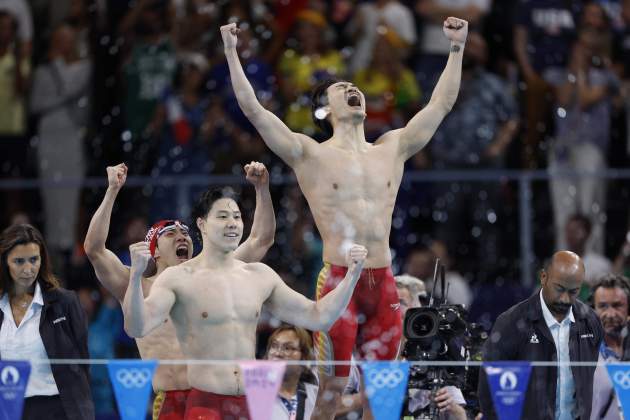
(41,320)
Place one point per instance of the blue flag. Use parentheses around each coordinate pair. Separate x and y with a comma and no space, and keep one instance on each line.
(131,380)
(508,385)
(620,378)
(13,380)
(385,387)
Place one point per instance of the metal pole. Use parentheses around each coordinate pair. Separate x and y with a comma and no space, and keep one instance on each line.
(525,229)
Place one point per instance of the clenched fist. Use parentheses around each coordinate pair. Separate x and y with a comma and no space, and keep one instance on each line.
(355,258)
(257,174)
(456,29)
(229,34)
(116,176)
(140,256)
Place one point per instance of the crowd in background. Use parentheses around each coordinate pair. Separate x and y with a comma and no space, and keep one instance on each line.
(89,83)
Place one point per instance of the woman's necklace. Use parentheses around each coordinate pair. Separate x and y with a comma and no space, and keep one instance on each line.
(22,304)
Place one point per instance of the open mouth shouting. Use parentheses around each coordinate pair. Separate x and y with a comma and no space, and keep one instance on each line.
(354,99)
(182,251)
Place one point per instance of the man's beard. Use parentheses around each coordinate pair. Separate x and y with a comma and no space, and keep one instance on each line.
(614,329)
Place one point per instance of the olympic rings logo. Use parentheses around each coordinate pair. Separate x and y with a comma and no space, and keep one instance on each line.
(622,378)
(386,378)
(133,378)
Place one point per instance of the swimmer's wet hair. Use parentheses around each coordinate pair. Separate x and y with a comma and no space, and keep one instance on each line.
(205,202)
(319,98)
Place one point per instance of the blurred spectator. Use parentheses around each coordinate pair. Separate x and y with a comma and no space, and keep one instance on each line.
(234,139)
(613,9)
(584,95)
(474,135)
(181,123)
(104,323)
(147,73)
(544,32)
(374,18)
(298,391)
(434,47)
(621,264)
(75,14)
(14,83)
(611,301)
(60,100)
(135,231)
(621,57)
(308,60)
(412,293)
(299,244)
(459,292)
(391,92)
(77,17)
(420,263)
(21,11)
(14,75)
(577,232)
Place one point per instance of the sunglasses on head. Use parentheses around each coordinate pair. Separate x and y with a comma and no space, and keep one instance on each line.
(172,225)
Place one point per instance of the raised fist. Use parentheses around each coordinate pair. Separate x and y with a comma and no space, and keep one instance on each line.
(257,174)
(116,176)
(229,34)
(355,258)
(456,29)
(140,256)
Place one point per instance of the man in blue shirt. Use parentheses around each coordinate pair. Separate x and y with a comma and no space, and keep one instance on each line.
(611,296)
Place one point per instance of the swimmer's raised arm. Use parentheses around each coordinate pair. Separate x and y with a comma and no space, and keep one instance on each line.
(419,130)
(278,137)
(144,315)
(290,306)
(110,271)
(263,230)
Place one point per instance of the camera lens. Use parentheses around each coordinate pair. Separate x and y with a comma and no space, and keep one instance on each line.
(422,323)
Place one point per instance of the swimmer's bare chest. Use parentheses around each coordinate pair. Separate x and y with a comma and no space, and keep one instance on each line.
(360,186)
(214,297)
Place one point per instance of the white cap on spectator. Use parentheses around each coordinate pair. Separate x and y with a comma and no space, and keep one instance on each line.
(415,286)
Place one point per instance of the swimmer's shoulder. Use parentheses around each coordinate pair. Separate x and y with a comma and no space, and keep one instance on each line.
(257,268)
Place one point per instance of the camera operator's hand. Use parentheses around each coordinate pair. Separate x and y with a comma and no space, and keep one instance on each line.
(443,400)
(447,406)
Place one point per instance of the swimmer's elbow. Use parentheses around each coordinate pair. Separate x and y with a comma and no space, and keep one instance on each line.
(92,248)
(325,320)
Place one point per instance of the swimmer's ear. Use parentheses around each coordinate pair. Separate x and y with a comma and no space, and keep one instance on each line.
(156,254)
(200,224)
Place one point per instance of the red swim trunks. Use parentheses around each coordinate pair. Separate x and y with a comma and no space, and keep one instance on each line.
(203,405)
(170,405)
(372,320)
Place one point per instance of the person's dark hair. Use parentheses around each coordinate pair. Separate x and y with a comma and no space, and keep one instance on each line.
(319,98)
(14,22)
(583,220)
(206,201)
(611,281)
(21,235)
